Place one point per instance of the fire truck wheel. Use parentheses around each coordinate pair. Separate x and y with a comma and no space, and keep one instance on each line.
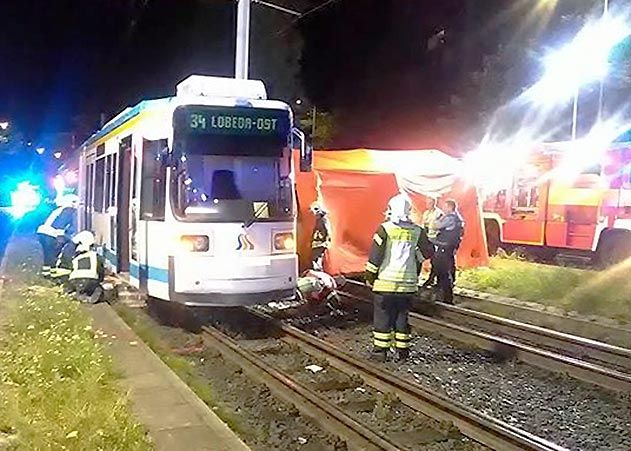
(613,248)
(492,236)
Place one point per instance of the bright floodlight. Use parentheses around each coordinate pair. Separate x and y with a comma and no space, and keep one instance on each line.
(582,61)
(4,125)
(40,150)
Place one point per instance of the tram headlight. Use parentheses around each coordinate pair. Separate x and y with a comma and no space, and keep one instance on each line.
(284,241)
(195,243)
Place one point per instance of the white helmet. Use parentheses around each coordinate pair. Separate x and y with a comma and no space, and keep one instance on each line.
(84,240)
(68,200)
(399,208)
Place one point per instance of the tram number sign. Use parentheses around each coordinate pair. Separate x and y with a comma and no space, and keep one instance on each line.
(249,122)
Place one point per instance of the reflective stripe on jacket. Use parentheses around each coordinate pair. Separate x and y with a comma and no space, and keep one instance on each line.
(393,261)
(58,222)
(85,266)
(429,218)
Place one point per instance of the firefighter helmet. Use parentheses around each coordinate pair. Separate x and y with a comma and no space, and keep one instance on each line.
(84,240)
(399,208)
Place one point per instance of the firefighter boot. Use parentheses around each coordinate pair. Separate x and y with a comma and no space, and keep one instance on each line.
(402,355)
(379,354)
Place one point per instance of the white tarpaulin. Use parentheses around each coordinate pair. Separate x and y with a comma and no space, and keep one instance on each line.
(432,175)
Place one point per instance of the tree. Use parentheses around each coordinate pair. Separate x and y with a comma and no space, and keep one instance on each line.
(324,128)
(276,47)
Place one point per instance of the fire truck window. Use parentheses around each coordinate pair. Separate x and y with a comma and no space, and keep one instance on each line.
(525,196)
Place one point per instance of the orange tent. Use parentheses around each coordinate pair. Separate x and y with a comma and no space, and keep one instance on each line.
(355,186)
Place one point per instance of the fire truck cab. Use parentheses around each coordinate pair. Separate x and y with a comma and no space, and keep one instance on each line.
(556,205)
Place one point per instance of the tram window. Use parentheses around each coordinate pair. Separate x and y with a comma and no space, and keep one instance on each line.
(114,180)
(153,181)
(108,178)
(99,176)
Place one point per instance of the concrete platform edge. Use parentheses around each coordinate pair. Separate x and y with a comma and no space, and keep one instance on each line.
(225,436)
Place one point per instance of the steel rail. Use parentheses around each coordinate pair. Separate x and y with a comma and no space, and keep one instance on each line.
(551,361)
(326,415)
(479,427)
(576,345)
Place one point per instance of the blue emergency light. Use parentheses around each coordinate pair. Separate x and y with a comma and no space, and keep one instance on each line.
(24,199)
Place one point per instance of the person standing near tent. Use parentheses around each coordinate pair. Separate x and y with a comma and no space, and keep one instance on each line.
(321,236)
(450,230)
(429,218)
(56,230)
(392,271)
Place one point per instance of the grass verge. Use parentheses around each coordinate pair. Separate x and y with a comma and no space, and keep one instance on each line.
(58,389)
(184,367)
(602,293)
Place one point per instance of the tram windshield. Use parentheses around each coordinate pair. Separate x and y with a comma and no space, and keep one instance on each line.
(234,188)
(233,164)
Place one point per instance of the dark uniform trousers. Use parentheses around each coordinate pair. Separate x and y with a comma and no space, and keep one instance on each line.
(445,268)
(390,320)
(51,247)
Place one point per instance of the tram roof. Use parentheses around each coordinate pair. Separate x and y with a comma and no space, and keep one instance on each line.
(124,116)
(154,104)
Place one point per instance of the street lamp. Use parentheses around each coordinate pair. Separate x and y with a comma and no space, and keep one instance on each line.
(582,61)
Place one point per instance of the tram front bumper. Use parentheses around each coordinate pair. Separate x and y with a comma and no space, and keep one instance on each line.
(248,280)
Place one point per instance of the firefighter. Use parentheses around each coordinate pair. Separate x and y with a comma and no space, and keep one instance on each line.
(63,266)
(56,230)
(321,236)
(430,216)
(398,249)
(87,270)
(450,230)
(319,287)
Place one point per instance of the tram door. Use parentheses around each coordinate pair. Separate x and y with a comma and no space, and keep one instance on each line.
(122,222)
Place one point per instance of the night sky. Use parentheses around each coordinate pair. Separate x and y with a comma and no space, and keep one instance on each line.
(63,62)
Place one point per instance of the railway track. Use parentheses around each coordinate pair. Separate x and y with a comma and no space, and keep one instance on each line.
(480,428)
(588,360)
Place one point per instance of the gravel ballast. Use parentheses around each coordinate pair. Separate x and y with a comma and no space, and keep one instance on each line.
(562,410)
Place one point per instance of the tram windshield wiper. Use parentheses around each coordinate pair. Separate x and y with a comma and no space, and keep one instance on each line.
(260,209)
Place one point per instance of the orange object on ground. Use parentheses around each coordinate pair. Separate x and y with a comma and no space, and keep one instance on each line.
(355,186)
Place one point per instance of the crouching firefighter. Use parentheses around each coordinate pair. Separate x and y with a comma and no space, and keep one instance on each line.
(87,270)
(398,250)
(317,287)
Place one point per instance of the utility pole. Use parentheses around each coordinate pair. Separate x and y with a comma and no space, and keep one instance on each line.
(601,92)
(242,51)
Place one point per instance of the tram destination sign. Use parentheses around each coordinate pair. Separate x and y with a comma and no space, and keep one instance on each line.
(232,121)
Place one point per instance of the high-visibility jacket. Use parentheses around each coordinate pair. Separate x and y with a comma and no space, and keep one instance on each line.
(321,236)
(59,223)
(87,265)
(394,262)
(428,221)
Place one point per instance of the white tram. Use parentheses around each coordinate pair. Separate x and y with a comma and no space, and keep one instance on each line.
(193,195)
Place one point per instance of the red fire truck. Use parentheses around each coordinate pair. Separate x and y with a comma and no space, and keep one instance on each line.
(583,211)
